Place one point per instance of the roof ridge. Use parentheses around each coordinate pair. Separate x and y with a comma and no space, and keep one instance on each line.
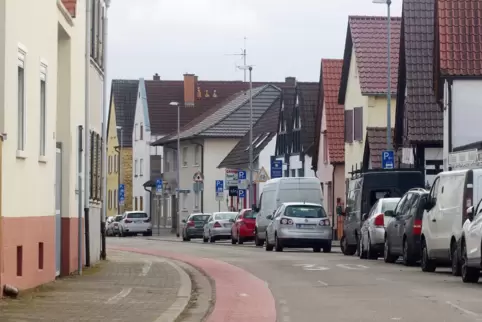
(366,17)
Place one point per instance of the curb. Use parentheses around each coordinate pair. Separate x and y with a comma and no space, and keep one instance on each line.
(183,296)
(172,240)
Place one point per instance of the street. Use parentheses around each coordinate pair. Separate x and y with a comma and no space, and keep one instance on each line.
(307,286)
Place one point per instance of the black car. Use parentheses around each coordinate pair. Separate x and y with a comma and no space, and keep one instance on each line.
(403,233)
(194,226)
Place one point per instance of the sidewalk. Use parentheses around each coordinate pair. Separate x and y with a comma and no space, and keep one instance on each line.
(128,287)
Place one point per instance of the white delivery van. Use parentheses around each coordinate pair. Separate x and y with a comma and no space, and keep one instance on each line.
(277,191)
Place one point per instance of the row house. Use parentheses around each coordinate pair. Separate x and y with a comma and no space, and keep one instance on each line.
(42,112)
(363,86)
(296,128)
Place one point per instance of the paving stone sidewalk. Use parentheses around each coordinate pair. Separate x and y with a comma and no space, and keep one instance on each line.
(128,287)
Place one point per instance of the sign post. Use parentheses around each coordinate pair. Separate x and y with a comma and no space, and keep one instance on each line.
(388,160)
(219,192)
(159,187)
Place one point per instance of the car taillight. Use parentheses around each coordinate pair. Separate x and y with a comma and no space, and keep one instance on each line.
(286,221)
(127,221)
(379,220)
(190,223)
(148,220)
(324,222)
(417,227)
(217,225)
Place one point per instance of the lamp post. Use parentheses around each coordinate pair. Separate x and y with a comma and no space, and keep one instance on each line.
(120,177)
(389,76)
(178,173)
(251,190)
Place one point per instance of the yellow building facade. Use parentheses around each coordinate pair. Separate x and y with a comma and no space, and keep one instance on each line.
(113,164)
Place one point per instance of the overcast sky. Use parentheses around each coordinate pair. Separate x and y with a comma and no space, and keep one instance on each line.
(284,37)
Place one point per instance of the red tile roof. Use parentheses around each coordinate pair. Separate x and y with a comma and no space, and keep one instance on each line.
(334,112)
(70,5)
(368,36)
(460,37)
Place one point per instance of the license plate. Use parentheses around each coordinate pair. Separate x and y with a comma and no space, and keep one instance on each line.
(228,225)
(305,226)
(138,221)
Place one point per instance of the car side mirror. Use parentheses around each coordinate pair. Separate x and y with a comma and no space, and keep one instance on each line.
(183,221)
(429,204)
(470,213)
(390,213)
(254,208)
(269,217)
(365,217)
(231,220)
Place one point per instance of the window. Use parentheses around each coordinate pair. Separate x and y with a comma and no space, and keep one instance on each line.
(109,164)
(109,200)
(141,203)
(135,132)
(141,132)
(167,160)
(43,109)
(135,203)
(116,199)
(97,26)
(141,167)
(135,168)
(301,173)
(348,126)
(115,163)
(293,173)
(21,118)
(325,148)
(174,158)
(184,156)
(197,154)
(358,123)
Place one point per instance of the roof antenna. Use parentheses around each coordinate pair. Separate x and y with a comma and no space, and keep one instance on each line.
(244,55)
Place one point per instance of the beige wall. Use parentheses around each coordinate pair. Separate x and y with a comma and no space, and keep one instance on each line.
(112,170)
(127,174)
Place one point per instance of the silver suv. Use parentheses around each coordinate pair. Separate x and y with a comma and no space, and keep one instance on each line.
(135,222)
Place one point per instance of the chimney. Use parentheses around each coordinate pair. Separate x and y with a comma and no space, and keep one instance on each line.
(156,77)
(190,86)
(291,81)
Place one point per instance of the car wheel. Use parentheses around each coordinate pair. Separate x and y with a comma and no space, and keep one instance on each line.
(371,253)
(212,239)
(469,274)
(346,249)
(388,257)
(233,241)
(258,241)
(268,247)
(316,249)
(361,252)
(147,234)
(456,267)
(427,264)
(240,239)
(327,248)
(278,247)
(407,257)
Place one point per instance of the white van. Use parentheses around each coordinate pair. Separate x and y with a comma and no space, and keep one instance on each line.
(280,190)
(445,213)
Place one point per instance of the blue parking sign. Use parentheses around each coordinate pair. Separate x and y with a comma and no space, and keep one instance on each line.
(159,186)
(121,194)
(388,160)
(242,193)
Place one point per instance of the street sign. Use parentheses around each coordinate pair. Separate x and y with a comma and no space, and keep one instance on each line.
(241,175)
(121,194)
(159,186)
(231,178)
(219,190)
(276,169)
(262,175)
(388,160)
(233,191)
(198,177)
(242,193)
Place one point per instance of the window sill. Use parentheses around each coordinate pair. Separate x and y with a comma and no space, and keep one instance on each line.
(21,154)
(184,165)
(42,159)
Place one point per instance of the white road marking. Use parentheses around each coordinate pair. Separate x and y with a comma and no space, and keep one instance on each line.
(396,319)
(352,266)
(461,309)
(119,296)
(323,283)
(146,268)
(282,302)
(243,294)
(382,279)
(311,267)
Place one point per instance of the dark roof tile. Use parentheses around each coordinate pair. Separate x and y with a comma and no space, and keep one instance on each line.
(124,93)
(376,141)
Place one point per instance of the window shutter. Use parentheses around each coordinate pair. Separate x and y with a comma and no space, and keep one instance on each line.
(348,126)
(358,123)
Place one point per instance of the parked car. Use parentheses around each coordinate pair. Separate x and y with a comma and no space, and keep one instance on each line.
(135,222)
(113,227)
(299,225)
(363,191)
(471,244)
(372,232)
(277,191)
(403,233)
(218,226)
(243,227)
(451,195)
(194,226)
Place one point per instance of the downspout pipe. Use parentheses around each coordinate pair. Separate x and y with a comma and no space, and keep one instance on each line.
(450,144)
(87,131)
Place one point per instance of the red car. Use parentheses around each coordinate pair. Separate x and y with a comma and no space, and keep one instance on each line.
(243,227)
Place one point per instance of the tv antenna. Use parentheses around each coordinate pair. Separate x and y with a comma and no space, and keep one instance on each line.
(244,55)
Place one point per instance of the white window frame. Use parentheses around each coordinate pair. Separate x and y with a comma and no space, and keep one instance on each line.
(185,151)
(43,110)
(135,132)
(141,167)
(21,111)
(135,167)
(197,155)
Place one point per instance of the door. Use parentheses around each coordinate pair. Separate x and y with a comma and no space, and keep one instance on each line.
(474,233)
(58,203)
(400,216)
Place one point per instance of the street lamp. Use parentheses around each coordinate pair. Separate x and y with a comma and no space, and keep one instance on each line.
(120,178)
(389,76)
(251,192)
(178,174)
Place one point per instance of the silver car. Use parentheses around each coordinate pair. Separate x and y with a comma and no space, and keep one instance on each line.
(372,239)
(299,225)
(135,222)
(218,226)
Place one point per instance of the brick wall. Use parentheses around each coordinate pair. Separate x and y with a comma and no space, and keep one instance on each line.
(127,173)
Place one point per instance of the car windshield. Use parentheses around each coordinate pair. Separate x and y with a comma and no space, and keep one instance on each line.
(305,211)
(225,216)
(248,214)
(389,204)
(137,215)
(200,218)
(118,218)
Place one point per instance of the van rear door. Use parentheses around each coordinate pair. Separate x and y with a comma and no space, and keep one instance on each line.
(299,190)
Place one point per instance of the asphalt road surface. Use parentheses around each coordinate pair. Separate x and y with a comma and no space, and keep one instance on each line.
(310,287)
